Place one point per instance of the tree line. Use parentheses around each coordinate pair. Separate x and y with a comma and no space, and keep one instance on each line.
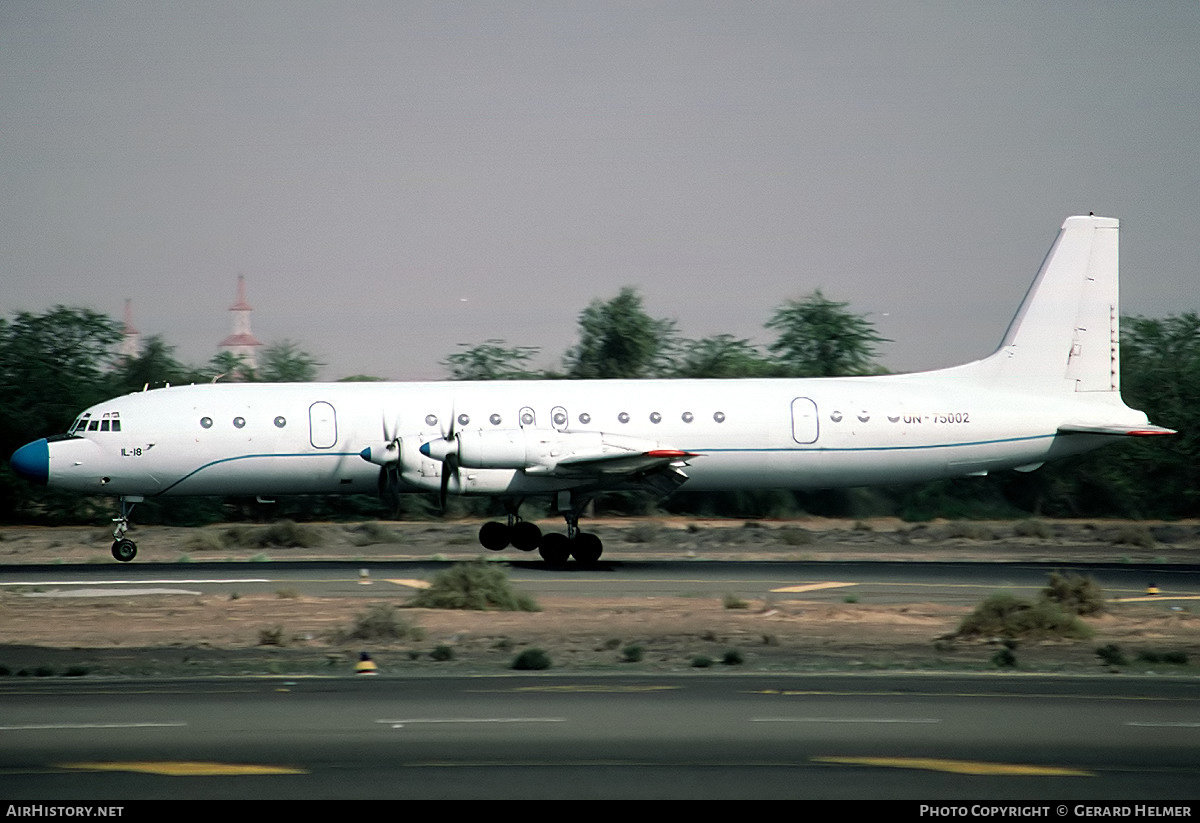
(55,364)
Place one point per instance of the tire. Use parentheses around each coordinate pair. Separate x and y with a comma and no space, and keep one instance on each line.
(555,548)
(587,548)
(124,550)
(494,536)
(526,536)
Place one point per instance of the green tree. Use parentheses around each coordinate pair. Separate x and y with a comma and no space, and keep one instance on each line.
(617,339)
(1144,476)
(230,367)
(818,337)
(491,360)
(286,362)
(52,366)
(721,356)
(154,366)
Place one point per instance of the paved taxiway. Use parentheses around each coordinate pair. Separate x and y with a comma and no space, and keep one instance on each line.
(579,736)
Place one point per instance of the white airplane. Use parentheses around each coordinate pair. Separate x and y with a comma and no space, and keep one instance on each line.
(1050,390)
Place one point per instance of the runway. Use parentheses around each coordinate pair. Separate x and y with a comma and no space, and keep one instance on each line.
(889,736)
(881,582)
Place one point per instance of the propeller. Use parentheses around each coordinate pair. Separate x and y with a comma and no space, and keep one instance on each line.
(445,450)
(388,460)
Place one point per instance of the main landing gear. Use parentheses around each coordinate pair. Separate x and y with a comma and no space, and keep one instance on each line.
(123,548)
(555,548)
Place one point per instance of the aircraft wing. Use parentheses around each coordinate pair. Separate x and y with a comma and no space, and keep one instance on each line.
(620,464)
(656,470)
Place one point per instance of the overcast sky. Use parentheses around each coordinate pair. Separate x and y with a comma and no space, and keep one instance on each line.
(395,178)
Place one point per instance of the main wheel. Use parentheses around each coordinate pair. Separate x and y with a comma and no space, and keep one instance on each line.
(494,536)
(555,548)
(124,549)
(586,548)
(526,536)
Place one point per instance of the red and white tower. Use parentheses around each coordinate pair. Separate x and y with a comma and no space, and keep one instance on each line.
(241,342)
(131,338)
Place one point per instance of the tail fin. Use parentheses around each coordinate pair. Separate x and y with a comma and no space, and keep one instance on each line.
(1064,337)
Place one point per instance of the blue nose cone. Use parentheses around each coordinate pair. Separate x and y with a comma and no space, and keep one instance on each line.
(32,461)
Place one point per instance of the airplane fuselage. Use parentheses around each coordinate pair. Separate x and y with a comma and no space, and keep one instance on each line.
(259,439)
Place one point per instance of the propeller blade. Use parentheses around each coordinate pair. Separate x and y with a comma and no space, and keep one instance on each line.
(448,465)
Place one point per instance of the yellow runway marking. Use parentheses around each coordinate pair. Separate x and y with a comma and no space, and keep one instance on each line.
(956,766)
(1150,598)
(182,768)
(412,584)
(811,587)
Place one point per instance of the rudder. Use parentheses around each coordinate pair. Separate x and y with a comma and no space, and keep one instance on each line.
(1064,337)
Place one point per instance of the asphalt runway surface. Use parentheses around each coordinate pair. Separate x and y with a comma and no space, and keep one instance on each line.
(891,736)
(882,582)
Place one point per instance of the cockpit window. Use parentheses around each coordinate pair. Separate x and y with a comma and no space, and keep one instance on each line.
(108,422)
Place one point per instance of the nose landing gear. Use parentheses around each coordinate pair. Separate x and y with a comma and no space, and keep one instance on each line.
(123,548)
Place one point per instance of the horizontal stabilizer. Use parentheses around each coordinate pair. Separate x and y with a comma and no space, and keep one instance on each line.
(1118,431)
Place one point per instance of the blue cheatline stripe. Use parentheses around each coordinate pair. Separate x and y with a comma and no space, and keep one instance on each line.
(699,449)
(795,449)
(199,469)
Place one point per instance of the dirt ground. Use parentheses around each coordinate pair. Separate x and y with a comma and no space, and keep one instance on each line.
(286,633)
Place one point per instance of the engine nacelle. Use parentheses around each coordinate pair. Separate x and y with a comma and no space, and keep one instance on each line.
(524,448)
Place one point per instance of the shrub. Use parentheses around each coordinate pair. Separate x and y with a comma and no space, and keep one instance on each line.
(442,653)
(701,661)
(372,533)
(284,534)
(969,531)
(732,657)
(1004,659)
(531,660)
(633,653)
(1174,658)
(1075,593)
(477,585)
(1003,615)
(1111,655)
(795,537)
(642,533)
(1033,528)
(1134,534)
(732,601)
(270,636)
(381,621)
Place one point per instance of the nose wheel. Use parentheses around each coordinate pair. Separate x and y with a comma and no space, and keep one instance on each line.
(123,548)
